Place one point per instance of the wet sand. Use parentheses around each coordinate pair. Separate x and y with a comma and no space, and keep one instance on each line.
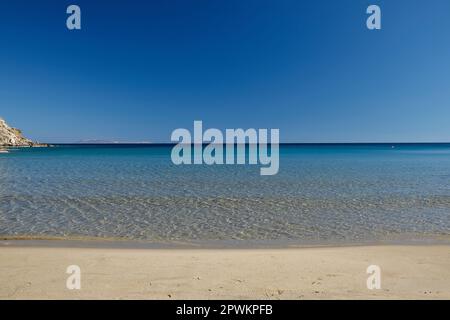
(407,272)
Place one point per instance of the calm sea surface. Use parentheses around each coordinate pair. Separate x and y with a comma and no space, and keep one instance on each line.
(322,194)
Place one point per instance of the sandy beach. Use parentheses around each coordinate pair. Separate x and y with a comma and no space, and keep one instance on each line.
(407,272)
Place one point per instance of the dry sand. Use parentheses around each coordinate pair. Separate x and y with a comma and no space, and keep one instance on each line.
(410,272)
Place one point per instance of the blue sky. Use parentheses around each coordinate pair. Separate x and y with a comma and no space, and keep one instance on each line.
(139,69)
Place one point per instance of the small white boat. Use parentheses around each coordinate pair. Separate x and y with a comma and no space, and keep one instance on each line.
(3,151)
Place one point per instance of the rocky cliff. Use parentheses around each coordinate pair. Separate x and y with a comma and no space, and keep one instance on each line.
(12,137)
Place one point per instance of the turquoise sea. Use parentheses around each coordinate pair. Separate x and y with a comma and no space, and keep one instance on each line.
(349,193)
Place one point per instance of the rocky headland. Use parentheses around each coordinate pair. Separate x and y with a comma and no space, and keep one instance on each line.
(12,137)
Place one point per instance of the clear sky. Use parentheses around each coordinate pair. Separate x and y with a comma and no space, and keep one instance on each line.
(139,69)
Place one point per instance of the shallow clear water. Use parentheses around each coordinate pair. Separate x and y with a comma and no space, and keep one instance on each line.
(322,193)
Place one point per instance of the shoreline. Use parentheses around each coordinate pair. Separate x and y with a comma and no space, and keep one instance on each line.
(125,243)
(407,272)
(26,146)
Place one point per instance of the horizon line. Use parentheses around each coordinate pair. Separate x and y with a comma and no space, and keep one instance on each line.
(206,143)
